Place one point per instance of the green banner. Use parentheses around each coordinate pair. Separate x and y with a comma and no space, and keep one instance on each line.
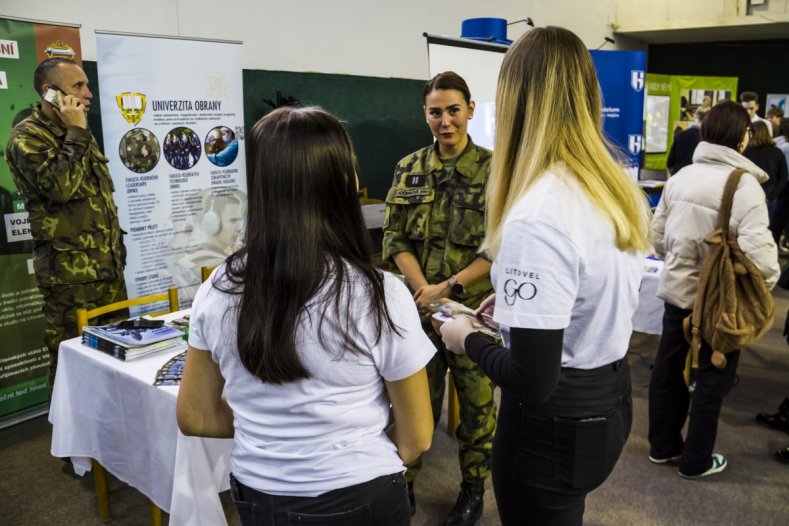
(23,356)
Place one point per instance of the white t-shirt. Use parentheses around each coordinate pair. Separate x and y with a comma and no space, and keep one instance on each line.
(559,268)
(308,437)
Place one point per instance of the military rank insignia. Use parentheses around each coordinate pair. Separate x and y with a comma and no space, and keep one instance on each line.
(415,180)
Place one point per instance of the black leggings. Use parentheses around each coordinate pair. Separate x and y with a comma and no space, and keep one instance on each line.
(547,457)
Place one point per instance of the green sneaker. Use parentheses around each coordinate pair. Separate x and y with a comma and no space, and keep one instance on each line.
(718,464)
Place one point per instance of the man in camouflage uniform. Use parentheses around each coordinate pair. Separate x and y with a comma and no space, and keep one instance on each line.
(435,219)
(78,254)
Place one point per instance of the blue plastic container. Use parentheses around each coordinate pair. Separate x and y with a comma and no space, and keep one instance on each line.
(485,29)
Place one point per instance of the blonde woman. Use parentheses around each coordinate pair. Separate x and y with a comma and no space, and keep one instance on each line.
(567,229)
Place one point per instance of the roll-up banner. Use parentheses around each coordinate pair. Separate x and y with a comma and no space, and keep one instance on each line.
(23,356)
(622,76)
(173,122)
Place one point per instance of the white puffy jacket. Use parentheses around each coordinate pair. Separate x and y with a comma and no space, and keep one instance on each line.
(688,211)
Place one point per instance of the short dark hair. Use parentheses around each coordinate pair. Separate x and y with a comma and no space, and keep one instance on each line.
(775,112)
(447,80)
(44,72)
(761,135)
(748,96)
(725,124)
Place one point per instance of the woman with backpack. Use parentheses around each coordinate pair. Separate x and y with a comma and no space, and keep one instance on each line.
(688,211)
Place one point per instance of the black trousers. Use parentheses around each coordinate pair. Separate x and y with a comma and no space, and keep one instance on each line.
(669,398)
(547,457)
(382,501)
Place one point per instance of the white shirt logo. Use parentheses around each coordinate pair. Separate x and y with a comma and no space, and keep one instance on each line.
(514,291)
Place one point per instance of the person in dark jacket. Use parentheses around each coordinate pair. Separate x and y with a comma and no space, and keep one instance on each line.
(681,152)
(764,154)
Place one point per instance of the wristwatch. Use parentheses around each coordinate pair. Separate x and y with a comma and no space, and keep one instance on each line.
(455,287)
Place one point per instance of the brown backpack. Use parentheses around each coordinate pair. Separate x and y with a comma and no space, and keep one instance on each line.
(733,305)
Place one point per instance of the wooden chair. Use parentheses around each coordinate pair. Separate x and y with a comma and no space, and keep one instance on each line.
(83,317)
(205,272)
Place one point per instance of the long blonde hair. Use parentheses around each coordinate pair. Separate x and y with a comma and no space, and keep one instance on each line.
(549,112)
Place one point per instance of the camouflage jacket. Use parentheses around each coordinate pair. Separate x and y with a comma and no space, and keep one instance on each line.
(63,177)
(439,217)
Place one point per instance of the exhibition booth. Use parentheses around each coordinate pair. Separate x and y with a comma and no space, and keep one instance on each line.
(174,136)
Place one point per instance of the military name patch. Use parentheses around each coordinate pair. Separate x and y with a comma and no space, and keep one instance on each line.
(412,192)
(415,180)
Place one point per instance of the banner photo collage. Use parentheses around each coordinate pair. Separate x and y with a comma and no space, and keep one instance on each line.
(23,356)
(173,122)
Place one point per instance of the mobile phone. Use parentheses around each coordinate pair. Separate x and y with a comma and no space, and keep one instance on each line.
(51,96)
(141,323)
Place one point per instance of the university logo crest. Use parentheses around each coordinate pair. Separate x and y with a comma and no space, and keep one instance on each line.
(637,79)
(59,49)
(132,106)
(635,143)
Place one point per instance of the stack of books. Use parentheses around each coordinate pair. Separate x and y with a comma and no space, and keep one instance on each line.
(130,343)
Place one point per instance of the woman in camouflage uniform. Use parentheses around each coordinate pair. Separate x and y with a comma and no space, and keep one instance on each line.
(434,224)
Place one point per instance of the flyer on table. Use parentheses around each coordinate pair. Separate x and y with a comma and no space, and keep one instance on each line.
(173,123)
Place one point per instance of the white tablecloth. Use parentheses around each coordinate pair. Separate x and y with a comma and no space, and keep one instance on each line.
(648,318)
(107,409)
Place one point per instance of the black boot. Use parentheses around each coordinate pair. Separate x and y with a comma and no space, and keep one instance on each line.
(411,499)
(778,420)
(468,508)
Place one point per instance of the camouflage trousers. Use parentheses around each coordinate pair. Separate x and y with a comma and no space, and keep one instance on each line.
(60,306)
(477,409)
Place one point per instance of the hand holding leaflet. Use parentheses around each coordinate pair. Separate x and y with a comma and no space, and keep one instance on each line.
(446,310)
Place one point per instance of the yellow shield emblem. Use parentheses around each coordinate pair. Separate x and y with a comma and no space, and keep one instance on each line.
(132,106)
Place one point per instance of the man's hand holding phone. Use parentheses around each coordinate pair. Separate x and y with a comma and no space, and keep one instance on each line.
(69,108)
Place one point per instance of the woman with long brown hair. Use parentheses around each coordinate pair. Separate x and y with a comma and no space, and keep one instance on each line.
(299,346)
